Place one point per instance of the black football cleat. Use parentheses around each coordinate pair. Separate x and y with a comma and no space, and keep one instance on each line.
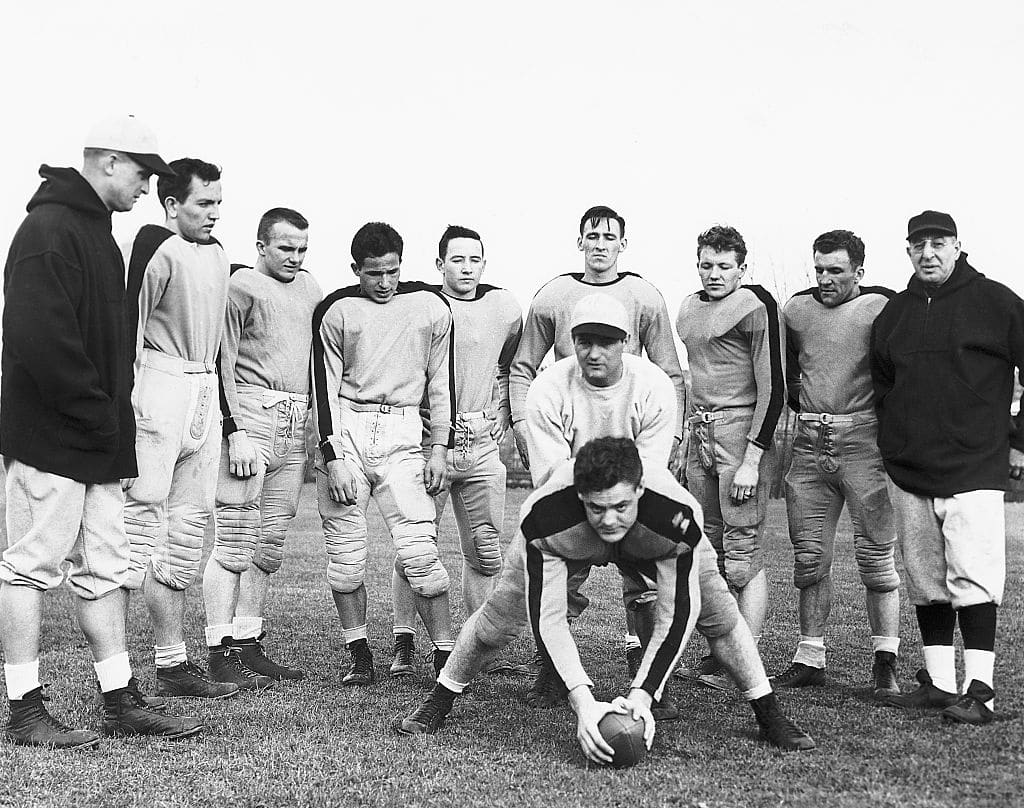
(883,675)
(125,713)
(800,675)
(188,679)
(425,719)
(926,697)
(31,724)
(776,728)
(360,673)
(548,690)
(252,655)
(971,707)
(226,666)
(404,663)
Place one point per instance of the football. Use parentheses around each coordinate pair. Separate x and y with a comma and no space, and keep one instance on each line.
(625,735)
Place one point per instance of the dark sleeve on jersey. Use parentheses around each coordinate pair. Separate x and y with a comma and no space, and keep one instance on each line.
(771,385)
(793,373)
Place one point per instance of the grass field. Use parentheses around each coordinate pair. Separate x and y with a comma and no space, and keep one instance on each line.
(314,743)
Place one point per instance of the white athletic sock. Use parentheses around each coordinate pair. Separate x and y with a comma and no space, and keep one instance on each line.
(447,645)
(632,641)
(21,679)
(883,643)
(214,634)
(113,672)
(940,662)
(978,665)
(451,684)
(762,689)
(403,630)
(247,627)
(810,651)
(167,656)
(353,634)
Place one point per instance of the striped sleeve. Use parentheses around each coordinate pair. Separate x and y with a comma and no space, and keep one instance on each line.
(327,366)
(657,339)
(508,352)
(764,329)
(537,338)
(546,577)
(793,374)
(676,612)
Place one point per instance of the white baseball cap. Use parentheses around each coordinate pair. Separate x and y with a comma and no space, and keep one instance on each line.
(601,315)
(126,133)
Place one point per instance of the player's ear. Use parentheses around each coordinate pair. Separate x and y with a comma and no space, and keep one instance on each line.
(355,269)
(260,247)
(440,264)
(622,244)
(743,268)
(579,244)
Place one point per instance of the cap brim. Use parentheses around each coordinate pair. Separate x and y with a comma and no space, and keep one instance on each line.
(931,228)
(154,163)
(599,330)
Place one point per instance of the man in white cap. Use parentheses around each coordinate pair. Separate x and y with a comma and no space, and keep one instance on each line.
(67,433)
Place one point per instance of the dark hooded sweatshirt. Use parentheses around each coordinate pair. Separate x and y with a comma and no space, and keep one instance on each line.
(65,393)
(942,363)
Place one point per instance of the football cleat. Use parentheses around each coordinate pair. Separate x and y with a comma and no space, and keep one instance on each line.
(926,697)
(360,672)
(158,703)
(665,709)
(547,690)
(425,719)
(188,679)
(708,666)
(971,707)
(800,675)
(31,724)
(404,663)
(776,728)
(125,713)
(226,666)
(252,655)
(883,675)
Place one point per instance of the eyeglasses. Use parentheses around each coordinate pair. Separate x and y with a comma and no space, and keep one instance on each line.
(938,244)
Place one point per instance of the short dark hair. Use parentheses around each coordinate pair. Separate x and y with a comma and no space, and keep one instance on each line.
(599,212)
(277,215)
(836,240)
(603,463)
(456,231)
(375,240)
(185,168)
(722,238)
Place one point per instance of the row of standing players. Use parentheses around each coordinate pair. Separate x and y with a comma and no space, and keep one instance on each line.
(370,375)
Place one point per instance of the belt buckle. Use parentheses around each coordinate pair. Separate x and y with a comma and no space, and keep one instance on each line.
(706,417)
(385,408)
(826,418)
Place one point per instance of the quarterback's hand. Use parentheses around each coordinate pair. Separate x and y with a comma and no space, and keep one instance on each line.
(243,459)
(341,483)
(127,482)
(435,471)
(1016,464)
(500,425)
(638,706)
(588,715)
(677,459)
(744,484)
(519,432)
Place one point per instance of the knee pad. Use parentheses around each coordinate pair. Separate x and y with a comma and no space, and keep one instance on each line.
(878,570)
(142,538)
(484,555)
(808,568)
(346,556)
(420,564)
(177,564)
(238,531)
(269,552)
(739,572)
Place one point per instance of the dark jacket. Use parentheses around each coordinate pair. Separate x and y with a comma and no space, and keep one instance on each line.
(942,364)
(65,395)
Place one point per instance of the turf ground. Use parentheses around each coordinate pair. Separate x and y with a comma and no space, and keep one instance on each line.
(314,743)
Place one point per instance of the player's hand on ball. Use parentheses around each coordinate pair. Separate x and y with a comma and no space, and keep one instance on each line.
(435,472)
(242,455)
(341,483)
(639,708)
(744,484)
(519,432)
(593,744)
(1016,464)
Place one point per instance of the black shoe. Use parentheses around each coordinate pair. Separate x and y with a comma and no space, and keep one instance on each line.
(188,679)
(440,658)
(501,666)
(125,713)
(926,697)
(255,659)
(360,672)
(404,663)
(425,719)
(226,666)
(31,724)
(708,666)
(800,675)
(665,709)
(883,675)
(634,656)
(158,703)
(776,728)
(547,690)
(970,708)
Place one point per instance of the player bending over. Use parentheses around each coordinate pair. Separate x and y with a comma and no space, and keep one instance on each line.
(597,509)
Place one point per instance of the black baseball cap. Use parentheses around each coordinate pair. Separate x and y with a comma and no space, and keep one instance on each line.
(931,221)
